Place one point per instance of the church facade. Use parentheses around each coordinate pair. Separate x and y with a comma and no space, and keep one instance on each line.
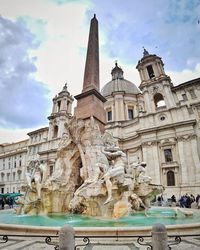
(157,122)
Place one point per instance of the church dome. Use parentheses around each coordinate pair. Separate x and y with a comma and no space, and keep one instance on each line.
(119,84)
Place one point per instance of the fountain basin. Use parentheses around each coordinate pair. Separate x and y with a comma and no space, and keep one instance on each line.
(132,225)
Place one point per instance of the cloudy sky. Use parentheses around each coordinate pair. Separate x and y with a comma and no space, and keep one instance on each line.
(43,46)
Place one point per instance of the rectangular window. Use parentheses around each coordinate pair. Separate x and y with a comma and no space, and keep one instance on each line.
(150,71)
(130,114)
(168,155)
(109,115)
(192,93)
(14,176)
(184,97)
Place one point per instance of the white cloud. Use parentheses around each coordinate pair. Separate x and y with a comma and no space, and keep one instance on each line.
(20,92)
(12,135)
(184,75)
(65,31)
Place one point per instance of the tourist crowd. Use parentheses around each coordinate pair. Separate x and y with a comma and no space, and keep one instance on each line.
(6,202)
(185,201)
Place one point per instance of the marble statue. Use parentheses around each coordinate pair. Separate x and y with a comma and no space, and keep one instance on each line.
(116,168)
(91,176)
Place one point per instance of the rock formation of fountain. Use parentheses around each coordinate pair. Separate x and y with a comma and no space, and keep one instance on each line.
(92,177)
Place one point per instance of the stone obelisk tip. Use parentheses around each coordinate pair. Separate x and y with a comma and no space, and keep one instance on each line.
(91,75)
(90,101)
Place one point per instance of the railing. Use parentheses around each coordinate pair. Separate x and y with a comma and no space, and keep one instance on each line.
(53,240)
(47,239)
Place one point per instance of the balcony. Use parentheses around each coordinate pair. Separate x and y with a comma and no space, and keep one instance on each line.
(171,164)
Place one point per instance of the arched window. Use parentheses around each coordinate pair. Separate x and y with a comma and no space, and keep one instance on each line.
(55,131)
(170,178)
(159,100)
(59,105)
(150,71)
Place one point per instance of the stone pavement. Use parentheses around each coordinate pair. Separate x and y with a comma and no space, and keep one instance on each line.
(39,243)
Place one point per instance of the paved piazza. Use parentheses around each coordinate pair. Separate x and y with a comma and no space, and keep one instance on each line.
(38,243)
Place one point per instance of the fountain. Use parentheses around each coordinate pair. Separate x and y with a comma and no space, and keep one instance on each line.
(92,177)
(93,185)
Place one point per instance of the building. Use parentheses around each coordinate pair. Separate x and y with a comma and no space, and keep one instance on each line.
(157,122)
(13,160)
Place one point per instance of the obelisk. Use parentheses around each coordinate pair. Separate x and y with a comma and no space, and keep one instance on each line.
(90,101)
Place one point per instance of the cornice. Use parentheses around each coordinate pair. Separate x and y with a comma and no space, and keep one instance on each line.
(166,126)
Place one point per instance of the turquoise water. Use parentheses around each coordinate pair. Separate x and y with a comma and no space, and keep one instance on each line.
(154,215)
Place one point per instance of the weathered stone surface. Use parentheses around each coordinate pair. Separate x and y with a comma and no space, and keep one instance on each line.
(91,176)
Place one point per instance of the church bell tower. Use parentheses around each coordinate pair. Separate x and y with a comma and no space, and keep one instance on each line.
(155,84)
(61,113)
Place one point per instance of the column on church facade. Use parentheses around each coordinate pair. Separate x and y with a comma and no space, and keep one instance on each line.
(147,101)
(156,163)
(135,111)
(121,108)
(196,159)
(116,109)
(142,76)
(161,68)
(150,156)
(54,107)
(155,68)
(168,95)
(145,74)
(63,104)
(183,170)
(126,111)
(113,112)
(69,108)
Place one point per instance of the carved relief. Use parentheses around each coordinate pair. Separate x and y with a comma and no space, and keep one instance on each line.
(186,137)
(167,141)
